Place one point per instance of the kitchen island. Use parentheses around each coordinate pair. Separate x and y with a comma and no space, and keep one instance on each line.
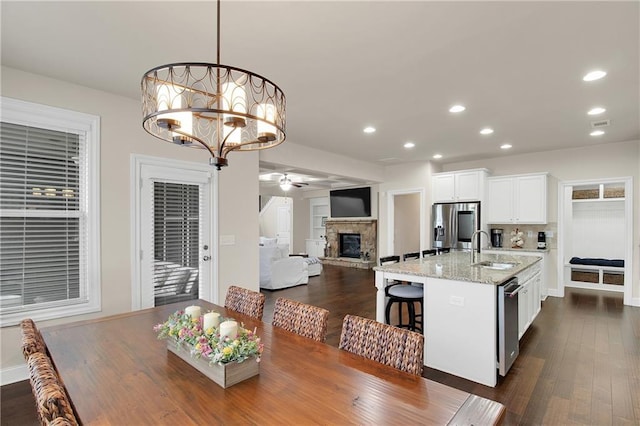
(460,307)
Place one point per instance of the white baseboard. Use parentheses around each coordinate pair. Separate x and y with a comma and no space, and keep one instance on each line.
(554,292)
(635,301)
(13,374)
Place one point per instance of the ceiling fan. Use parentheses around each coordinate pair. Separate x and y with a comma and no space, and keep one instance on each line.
(286,183)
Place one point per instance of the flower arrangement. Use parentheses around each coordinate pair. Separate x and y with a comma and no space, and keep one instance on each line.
(209,344)
(516,238)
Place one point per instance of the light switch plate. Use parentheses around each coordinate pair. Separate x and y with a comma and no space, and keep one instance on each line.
(227,240)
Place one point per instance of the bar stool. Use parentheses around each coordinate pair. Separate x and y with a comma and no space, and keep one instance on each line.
(407,294)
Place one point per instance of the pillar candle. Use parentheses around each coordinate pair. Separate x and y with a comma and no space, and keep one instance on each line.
(211,320)
(228,328)
(194,311)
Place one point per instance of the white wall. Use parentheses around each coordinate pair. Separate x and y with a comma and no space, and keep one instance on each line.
(589,163)
(121,136)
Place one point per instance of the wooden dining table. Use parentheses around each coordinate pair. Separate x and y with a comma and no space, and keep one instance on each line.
(117,372)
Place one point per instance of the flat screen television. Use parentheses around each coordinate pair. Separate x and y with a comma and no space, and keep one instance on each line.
(351,202)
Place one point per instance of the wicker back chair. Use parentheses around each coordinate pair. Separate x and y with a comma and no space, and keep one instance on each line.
(300,318)
(60,421)
(245,301)
(51,398)
(396,347)
(32,340)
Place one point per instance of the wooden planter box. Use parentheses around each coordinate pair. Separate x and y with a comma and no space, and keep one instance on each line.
(224,375)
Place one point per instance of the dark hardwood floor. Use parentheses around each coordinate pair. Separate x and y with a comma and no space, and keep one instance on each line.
(579,362)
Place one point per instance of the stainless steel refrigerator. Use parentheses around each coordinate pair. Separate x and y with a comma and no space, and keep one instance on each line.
(454,224)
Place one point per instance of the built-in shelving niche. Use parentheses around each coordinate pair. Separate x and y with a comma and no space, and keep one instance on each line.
(596,222)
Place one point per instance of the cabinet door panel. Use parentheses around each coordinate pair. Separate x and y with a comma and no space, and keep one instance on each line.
(500,205)
(443,188)
(467,186)
(523,309)
(531,199)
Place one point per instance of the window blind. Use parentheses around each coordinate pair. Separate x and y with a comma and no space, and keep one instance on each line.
(176,241)
(42,217)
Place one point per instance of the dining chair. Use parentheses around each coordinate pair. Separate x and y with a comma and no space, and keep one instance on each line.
(403,294)
(51,398)
(32,340)
(245,301)
(388,345)
(300,318)
(60,421)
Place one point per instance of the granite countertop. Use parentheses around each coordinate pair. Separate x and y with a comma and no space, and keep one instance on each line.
(457,266)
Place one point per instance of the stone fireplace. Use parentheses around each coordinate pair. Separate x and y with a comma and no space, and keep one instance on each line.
(351,243)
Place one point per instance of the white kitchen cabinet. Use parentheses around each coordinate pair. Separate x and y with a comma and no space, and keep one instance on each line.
(465,185)
(315,248)
(528,298)
(517,199)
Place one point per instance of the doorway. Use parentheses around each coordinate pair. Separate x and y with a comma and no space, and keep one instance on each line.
(406,213)
(595,244)
(173,256)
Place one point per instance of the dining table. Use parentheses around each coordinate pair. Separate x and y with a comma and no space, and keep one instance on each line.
(116,371)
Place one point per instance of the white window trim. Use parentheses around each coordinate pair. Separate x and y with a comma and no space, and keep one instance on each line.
(43,116)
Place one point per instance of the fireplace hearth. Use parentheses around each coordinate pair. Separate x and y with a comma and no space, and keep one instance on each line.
(349,245)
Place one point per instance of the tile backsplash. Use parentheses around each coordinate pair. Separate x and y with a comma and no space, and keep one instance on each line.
(530,234)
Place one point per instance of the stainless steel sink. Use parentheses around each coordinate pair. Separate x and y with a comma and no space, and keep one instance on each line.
(501,266)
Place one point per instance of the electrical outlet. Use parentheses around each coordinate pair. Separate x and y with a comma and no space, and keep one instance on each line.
(549,234)
(530,234)
(456,300)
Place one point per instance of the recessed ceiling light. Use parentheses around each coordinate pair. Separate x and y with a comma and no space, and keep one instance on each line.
(596,111)
(409,145)
(597,133)
(594,75)
(505,146)
(437,156)
(369,129)
(457,108)
(486,131)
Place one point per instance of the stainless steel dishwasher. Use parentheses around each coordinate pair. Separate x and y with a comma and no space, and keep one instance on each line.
(508,345)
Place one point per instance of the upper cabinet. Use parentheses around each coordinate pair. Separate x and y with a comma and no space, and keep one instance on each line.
(517,199)
(466,185)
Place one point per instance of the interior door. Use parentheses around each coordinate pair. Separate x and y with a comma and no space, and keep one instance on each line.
(283,229)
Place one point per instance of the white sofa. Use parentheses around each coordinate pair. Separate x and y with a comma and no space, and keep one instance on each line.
(279,270)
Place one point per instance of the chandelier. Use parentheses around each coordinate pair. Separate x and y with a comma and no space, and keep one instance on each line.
(215,107)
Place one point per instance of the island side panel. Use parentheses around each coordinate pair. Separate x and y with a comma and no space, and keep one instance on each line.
(460,332)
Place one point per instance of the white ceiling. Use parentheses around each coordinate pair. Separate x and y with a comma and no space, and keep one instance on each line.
(398,66)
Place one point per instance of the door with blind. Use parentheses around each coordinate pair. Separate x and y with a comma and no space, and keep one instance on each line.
(175,248)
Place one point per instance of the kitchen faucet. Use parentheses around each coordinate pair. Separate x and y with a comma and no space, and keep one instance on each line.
(473,239)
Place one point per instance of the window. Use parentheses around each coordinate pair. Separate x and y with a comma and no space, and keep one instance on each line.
(49,231)
(176,242)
